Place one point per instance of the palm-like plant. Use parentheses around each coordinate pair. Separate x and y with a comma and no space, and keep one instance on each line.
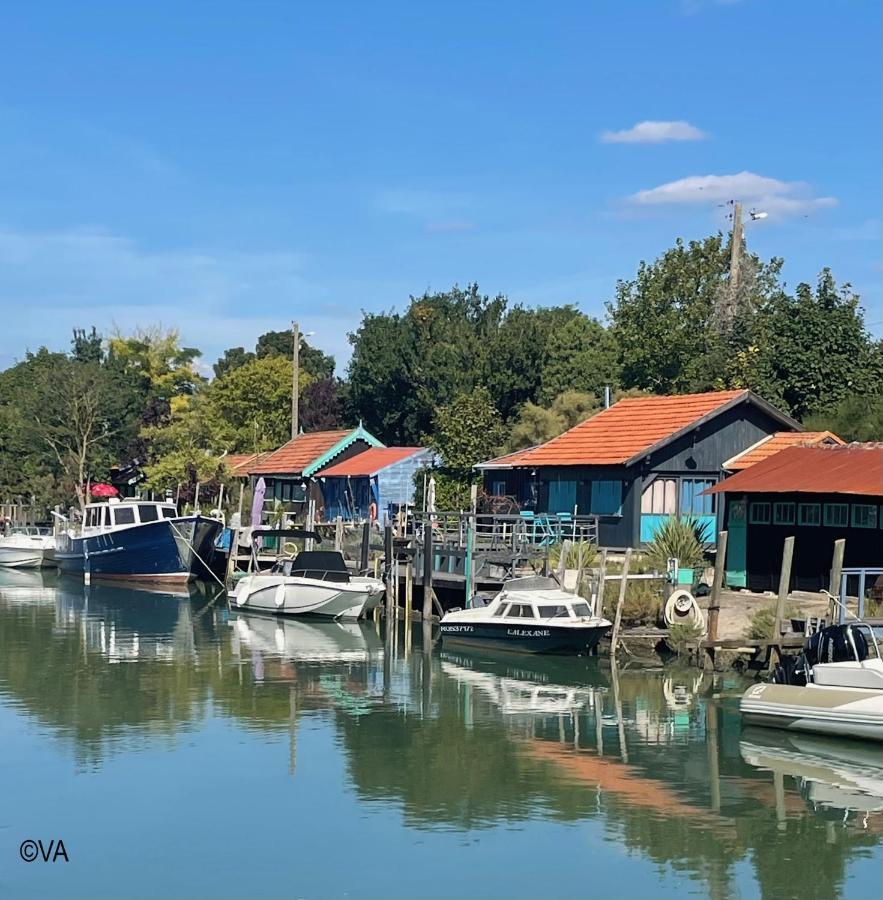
(682,539)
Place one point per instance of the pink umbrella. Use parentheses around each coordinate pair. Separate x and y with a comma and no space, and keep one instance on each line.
(103,490)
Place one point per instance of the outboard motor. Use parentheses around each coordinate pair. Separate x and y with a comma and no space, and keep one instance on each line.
(792,670)
(837,643)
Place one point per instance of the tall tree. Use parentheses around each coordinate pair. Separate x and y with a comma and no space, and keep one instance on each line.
(581,356)
(665,320)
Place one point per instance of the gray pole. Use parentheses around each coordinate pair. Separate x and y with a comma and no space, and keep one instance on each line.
(735,252)
(295,359)
(784,584)
(427,571)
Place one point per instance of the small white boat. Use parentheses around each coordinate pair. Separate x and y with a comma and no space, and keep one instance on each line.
(315,582)
(836,687)
(530,615)
(28,548)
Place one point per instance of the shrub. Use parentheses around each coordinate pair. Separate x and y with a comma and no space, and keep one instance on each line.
(642,604)
(579,552)
(760,626)
(679,538)
(680,634)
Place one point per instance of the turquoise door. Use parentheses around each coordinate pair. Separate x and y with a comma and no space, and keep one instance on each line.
(737,544)
(562,496)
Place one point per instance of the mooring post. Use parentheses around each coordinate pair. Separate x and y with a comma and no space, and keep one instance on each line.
(714,601)
(338,534)
(389,573)
(365,548)
(469,563)
(562,561)
(836,576)
(784,584)
(427,571)
(623,584)
(602,575)
(409,591)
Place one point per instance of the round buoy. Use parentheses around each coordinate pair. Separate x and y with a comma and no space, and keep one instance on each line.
(681,608)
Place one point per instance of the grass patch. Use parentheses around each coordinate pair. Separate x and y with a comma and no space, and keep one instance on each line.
(760,626)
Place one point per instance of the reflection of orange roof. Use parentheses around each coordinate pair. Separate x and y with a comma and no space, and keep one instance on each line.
(292,458)
(615,778)
(370,462)
(779,441)
(852,469)
(636,426)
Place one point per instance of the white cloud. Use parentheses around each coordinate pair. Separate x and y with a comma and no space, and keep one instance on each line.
(780,199)
(54,281)
(654,133)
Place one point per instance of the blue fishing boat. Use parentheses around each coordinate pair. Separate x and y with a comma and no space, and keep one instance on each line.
(138,540)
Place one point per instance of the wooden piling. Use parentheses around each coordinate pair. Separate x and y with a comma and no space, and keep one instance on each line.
(784,584)
(365,548)
(836,575)
(389,571)
(469,562)
(562,561)
(427,571)
(409,593)
(602,574)
(714,601)
(623,584)
(338,534)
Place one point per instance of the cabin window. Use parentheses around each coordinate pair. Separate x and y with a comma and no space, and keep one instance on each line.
(147,512)
(501,611)
(783,513)
(809,514)
(169,512)
(864,515)
(836,515)
(498,488)
(693,501)
(581,609)
(124,515)
(606,498)
(553,612)
(759,514)
(521,611)
(660,497)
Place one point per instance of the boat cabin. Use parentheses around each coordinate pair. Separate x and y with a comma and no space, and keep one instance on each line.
(324,565)
(118,514)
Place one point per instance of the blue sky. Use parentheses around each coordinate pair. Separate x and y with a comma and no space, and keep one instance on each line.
(225,167)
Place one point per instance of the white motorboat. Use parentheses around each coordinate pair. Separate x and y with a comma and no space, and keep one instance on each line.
(315,582)
(529,615)
(835,687)
(27,548)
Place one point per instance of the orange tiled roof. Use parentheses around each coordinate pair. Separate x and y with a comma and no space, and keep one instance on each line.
(292,458)
(779,441)
(627,429)
(238,463)
(507,461)
(370,462)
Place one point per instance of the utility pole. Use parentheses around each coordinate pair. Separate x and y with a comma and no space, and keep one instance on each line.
(295,359)
(735,251)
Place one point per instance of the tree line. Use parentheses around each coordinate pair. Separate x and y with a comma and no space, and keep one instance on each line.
(467,373)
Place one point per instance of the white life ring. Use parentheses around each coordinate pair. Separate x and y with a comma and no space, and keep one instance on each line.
(681,608)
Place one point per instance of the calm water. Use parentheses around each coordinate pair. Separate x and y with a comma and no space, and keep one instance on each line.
(178,749)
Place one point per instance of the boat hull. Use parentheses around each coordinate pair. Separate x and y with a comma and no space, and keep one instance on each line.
(169,550)
(571,640)
(845,712)
(294,596)
(22,557)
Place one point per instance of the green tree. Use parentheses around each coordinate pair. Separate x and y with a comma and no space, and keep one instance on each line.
(233,358)
(280,343)
(665,320)
(249,409)
(467,431)
(581,356)
(854,418)
(809,351)
(538,424)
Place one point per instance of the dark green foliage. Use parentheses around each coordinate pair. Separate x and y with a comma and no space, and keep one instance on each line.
(853,418)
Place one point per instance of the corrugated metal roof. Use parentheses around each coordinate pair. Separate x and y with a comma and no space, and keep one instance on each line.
(629,429)
(370,462)
(773,444)
(292,458)
(850,469)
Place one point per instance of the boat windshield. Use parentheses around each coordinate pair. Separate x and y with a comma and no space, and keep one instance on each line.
(581,610)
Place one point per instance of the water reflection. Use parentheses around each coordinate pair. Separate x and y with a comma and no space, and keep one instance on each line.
(445,742)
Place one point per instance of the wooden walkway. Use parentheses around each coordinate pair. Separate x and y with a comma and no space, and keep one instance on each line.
(705,652)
